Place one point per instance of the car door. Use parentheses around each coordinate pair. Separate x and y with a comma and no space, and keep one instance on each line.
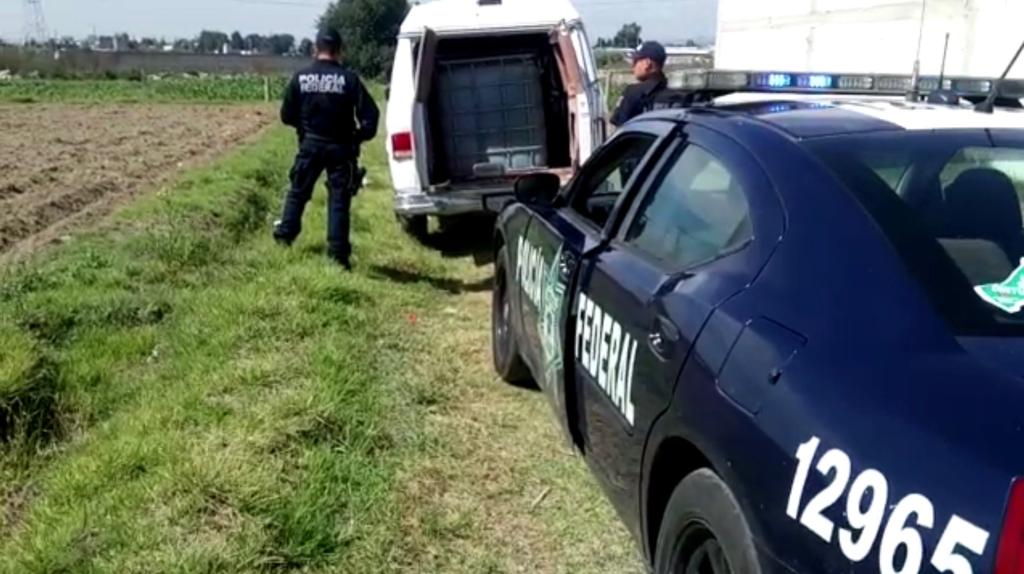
(685,247)
(547,257)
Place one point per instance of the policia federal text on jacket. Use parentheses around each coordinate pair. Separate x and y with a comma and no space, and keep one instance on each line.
(334,114)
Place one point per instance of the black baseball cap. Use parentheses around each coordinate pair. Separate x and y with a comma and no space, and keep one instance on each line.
(329,37)
(652,51)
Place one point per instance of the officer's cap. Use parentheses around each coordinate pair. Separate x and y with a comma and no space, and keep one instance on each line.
(328,37)
(651,51)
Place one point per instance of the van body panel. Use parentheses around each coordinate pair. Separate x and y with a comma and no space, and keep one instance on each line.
(402,97)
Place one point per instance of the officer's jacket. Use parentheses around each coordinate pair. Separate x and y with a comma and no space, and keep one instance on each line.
(638,98)
(328,101)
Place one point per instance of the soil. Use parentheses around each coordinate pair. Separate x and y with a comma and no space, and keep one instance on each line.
(61,165)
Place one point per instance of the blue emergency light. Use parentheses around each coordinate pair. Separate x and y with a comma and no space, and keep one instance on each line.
(727,81)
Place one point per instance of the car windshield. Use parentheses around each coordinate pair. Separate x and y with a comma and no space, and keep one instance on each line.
(951,204)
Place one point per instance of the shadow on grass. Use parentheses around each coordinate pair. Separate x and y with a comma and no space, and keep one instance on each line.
(464,237)
(452,286)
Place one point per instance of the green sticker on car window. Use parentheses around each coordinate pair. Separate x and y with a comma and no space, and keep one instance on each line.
(1008,295)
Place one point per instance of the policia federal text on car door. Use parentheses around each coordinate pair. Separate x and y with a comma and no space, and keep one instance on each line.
(648,268)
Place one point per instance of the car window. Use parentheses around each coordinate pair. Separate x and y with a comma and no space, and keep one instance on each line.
(957,222)
(1008,161)
(696,213)
(603,179)
(889,167)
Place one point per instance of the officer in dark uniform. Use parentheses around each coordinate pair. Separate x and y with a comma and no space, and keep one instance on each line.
(334,114)
(648,65)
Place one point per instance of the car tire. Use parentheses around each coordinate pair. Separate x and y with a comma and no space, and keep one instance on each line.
(414,225)
(504,350)
(703,530)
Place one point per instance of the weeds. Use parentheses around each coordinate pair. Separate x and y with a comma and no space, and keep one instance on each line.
(184,395)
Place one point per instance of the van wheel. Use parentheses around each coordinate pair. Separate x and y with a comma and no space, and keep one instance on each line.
(703,531)
(414,225)
(507,360)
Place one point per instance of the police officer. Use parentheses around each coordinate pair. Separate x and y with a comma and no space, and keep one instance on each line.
(648,65)
(333,114)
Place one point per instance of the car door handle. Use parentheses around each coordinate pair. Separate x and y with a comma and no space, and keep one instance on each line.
(663,338)
(566,265)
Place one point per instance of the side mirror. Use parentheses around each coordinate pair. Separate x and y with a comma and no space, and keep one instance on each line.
(538,188)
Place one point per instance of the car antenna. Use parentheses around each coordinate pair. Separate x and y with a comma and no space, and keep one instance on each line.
(942,70)
(912,93)
(989,105)
(941,95)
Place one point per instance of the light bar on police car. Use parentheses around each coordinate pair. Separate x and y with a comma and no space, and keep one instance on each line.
(804,82)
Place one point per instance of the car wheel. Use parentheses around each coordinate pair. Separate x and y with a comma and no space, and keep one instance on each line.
(703,530)
(414,225)
(507,360)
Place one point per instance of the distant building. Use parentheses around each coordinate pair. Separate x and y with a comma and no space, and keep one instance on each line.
(870,36)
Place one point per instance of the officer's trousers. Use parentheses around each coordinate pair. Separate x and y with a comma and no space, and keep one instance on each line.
(339,161)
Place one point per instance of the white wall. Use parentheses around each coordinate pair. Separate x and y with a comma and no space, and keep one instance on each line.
(877,36)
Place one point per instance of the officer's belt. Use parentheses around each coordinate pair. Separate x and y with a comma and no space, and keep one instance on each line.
(323,139)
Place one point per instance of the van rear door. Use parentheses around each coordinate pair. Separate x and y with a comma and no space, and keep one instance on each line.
(586,106)
(425,62)
(597,112)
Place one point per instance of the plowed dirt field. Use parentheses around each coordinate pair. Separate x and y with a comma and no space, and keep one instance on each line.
(61,165)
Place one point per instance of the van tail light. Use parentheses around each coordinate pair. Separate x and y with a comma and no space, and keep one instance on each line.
(401,145)
(1010,553)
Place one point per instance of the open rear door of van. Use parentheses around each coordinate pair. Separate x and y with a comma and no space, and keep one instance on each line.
(597,105)
(585,104)
(425,64)
(569,70)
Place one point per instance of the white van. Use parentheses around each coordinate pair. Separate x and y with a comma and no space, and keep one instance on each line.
(483,91)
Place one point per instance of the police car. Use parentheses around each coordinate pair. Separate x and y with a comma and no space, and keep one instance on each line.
(785,331)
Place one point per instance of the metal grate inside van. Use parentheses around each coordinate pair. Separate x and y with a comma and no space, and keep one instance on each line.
(492,112)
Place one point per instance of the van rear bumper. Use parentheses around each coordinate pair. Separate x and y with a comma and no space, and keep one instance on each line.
(460,202)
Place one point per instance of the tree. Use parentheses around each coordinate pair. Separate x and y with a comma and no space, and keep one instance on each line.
(237,41)
(370,29)
(281,44)
(628,36)
(123,42)
(211,42)
(256,43)
(182,45)
(305,47)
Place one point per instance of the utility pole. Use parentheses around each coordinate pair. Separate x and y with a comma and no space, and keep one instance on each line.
(35,22)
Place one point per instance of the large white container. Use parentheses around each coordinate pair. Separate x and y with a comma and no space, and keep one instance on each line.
(877,36)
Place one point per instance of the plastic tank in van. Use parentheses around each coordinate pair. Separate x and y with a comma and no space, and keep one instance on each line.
(492,114)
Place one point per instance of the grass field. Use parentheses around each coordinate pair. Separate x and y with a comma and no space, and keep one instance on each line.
(175,89)
(178,394)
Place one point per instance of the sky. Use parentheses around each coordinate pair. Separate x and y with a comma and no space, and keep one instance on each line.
(661,19)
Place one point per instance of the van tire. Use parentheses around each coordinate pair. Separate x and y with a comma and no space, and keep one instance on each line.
(414,225)
(703,529)
(504,350)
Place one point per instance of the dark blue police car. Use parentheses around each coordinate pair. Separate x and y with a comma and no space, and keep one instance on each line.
(786,332)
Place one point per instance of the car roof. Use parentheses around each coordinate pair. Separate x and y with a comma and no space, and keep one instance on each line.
(452,16)
(809,116)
